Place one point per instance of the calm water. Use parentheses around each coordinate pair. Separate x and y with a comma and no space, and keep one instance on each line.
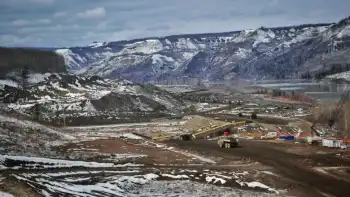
(323,91)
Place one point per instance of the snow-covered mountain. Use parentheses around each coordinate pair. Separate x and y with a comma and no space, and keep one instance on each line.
(263,53)
(72,96)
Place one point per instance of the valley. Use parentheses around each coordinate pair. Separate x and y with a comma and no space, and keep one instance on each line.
(114,156)
(254,112)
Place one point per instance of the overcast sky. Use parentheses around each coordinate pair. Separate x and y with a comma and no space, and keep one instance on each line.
(59,23)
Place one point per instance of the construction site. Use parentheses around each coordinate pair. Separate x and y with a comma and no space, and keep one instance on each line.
(245,144)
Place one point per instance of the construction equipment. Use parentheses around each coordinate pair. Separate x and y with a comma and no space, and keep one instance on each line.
(218,128)
(228,142)
(185,137)
(197,134)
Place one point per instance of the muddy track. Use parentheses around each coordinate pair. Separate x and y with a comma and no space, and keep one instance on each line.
(295,168)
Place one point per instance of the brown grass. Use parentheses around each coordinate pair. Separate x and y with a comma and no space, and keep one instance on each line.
(323,112)
(18,188)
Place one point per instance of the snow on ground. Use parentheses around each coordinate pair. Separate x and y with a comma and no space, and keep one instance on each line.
(97,44)
(75,173)
(162,123)
(269,173)
(193,189)
(146,47)
(135,183)
(26,123)
(163,146)
(4,194)
(255,184)
(8,82)
(92,135)
(202,107)
(120,157)
(73,95)
(16,162)
(183,176)
(26,138)
(129,136)
(115,185)
(344,32)
(343,75)
(206,160)
(37,77)
(215,179)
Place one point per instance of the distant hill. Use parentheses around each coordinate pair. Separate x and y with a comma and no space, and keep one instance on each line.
(87,100)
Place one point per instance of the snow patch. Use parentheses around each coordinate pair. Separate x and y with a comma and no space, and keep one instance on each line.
(8,82)
(214,179)
(343,75)
(4,194)
(345,32)
(146,47)
(96,44)
(38,162)
(176,176)
(37,77)
(263,37)
(129,136)
(157,58)
(255,184)
(60,174)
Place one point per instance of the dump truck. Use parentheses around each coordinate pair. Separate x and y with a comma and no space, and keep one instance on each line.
(228,142)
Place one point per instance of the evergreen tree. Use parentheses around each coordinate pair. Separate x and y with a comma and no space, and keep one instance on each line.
(24,77)
(37,112)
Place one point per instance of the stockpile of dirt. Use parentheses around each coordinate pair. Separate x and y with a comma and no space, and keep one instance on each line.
(199,122)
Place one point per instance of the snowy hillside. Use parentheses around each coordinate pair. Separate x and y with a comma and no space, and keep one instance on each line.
(61,95)
(265,53)
(340,76)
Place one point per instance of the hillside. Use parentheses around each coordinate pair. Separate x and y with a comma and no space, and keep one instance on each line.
(305,51)
(73,100)
(14,59)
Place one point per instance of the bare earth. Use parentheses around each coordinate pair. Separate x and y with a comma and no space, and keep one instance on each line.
(301,171)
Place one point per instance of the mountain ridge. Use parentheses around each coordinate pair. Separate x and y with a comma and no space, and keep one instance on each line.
(245,54)
(192,35)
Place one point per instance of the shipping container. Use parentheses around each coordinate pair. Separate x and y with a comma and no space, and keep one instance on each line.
(286,137)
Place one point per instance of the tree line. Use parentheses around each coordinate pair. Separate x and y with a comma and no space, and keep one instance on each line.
(13,59)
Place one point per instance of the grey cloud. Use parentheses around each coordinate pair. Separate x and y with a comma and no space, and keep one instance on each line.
(98,12)
(21,23)
(59,14)
(79,22)
(43,1)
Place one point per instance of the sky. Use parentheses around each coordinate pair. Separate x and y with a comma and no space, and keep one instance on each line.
(67,23)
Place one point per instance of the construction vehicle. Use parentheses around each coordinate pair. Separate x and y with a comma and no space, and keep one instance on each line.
(185,137)
(199,133)
(334,115)
(228,141)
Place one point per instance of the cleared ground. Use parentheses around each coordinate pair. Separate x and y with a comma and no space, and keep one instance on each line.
(300,170)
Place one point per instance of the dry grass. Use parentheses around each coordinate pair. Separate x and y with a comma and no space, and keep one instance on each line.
(18,189)
(199,122)
(322,113)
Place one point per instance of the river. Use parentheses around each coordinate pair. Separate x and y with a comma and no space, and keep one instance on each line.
(322,91)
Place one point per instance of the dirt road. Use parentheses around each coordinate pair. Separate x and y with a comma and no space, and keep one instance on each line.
(295,168)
